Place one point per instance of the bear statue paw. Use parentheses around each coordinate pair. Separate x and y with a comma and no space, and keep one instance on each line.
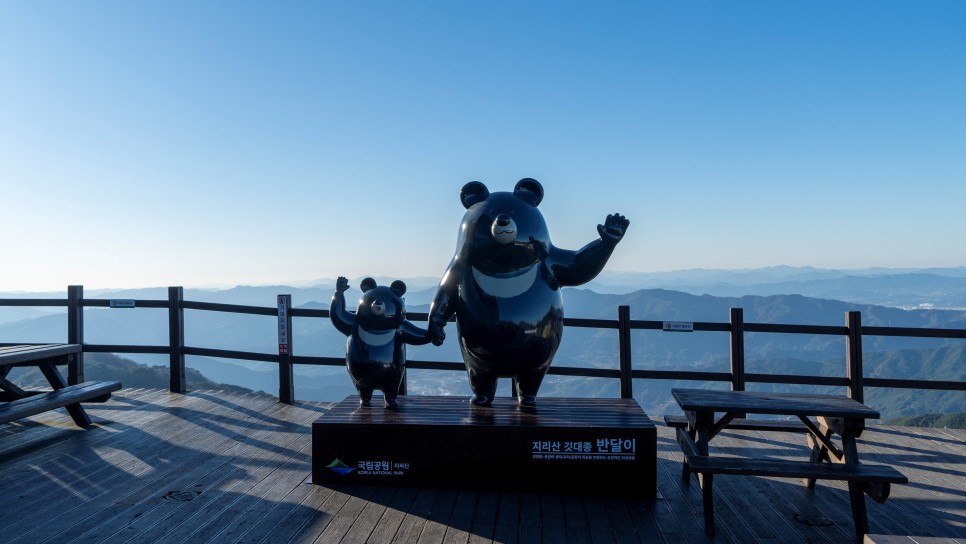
(527,400)
(365,403)
(480,400)
(391,403)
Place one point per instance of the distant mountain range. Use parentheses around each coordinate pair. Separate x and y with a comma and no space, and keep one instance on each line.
(903,288)
(767,353)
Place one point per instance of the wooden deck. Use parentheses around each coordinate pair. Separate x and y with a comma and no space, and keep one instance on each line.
(214,467)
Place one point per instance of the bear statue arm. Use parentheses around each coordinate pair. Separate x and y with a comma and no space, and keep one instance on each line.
(444,303)
(411,334)
(343,320)
(572,268)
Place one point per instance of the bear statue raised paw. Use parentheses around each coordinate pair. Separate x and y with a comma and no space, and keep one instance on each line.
(503,284)
(377,336)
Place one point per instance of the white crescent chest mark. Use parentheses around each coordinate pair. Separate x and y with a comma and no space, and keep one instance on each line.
(506,287)
(376,338)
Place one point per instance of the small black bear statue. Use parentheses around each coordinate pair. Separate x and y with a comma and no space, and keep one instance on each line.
(377,336)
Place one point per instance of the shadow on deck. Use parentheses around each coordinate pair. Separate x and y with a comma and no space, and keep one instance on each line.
(216,467)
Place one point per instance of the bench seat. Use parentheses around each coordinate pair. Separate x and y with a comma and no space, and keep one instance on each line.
(795,469)
(746,424)
(59,398)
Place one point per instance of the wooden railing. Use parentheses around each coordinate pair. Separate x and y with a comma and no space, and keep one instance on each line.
(853,331)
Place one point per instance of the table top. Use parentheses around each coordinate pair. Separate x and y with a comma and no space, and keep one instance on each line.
(795,404)
(11,355)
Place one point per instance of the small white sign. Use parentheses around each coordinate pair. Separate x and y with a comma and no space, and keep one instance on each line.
(678,326)
(122,303)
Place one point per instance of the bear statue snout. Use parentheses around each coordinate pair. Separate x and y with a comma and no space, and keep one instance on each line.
(378,307)
(504,229)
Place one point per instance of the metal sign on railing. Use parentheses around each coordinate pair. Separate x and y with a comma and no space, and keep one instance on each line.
(283,341)
(678,326)
(122,303)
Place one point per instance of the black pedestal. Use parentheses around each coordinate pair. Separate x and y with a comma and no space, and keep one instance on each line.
(564,445)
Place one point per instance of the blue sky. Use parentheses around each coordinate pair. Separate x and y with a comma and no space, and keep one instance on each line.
(221,143)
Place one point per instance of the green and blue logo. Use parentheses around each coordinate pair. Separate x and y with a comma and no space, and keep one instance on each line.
(338,466)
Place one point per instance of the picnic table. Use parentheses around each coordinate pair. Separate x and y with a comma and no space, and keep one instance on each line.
(19,403)
(839,420)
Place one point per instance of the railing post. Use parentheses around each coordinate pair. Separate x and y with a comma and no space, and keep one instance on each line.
(286,386)
(176,339)
(853,354)
(737,349)
(75,332)
(624,339)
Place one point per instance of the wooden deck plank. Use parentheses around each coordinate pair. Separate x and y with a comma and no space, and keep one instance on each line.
(250,455)
(787,502)
(460,522)
(787,499)
(149,483)
(575,520)
(237,498)
(23,453)
(344,520)
(294,520)
(438,519)
(770,520)
(368,519)
(324,513)
(392,518)
(598,523)
(531,521)
(56,441)
(484,519)
(44,433)
(95,488)
(412,524)
(508,521)
(934,487)
(258,512)
(144,507)
(639,514)
(552,518)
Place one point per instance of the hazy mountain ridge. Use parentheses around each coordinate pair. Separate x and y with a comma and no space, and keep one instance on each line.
(110,367)
(904,288)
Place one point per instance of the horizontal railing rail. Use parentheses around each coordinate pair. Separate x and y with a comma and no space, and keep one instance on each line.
(853,331)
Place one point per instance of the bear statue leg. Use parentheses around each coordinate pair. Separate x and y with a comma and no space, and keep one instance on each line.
(527,386)
(483,386)
(390,399)
(365,395)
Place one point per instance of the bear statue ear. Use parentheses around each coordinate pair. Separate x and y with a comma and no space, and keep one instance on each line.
(367,284)
(398,287)
(473,192)
(529,190)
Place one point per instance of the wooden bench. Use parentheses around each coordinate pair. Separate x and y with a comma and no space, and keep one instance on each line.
(878,477)
(37,403)
(897,539)
(778,425)
(46,357)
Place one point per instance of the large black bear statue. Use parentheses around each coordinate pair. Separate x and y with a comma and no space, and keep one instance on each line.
(377,336)
(504,284)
